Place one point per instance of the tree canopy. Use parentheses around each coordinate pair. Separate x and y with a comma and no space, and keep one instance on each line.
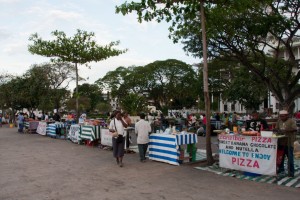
(80,49)
(160,81)
(252,33)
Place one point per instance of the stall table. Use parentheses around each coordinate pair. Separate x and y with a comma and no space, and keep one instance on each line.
(31,126)
(89,132)
(54,129)
(253,154)
(165,147)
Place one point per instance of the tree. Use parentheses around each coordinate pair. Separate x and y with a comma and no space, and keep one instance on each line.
(253,33)
(160,80)
(133,103)
(47,84)
(80,49)
(240,31)
(189,9)
(84,104)
(91,91)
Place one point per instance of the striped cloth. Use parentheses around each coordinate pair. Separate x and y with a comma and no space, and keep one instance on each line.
(282,180)
(164,147)
(89,132)
(51,128)
(186,139)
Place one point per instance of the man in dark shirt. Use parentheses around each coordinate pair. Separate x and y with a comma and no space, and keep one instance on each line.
(56,117)
(256,123)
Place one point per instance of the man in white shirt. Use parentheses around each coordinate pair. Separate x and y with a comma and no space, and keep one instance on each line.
(142,129)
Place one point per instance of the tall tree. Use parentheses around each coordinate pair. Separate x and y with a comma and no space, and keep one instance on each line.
(240,30)
(91,91)
(160,80)
(80,49)
(177,9)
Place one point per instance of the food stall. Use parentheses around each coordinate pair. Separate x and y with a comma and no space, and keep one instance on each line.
(55,129)
(89,133)
(31,126)
(250,152)
(166,147)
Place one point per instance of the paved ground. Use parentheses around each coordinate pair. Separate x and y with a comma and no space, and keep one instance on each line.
(35,167)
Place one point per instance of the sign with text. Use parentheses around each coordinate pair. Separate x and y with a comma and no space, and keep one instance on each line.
(106,138)
(41,129)
(74,133)
(248,153)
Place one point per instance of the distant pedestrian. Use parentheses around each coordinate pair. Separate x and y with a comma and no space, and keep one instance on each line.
(142,129)
(20,122)
(116,127)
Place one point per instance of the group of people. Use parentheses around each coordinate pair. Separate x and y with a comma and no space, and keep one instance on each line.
(117,126)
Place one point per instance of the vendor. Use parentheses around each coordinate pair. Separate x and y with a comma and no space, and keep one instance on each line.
(288,127)
(256,123)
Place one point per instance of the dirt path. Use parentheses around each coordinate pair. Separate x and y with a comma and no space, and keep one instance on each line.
(35,167)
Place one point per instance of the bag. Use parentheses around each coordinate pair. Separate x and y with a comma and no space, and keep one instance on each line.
(120,139)
(114,134)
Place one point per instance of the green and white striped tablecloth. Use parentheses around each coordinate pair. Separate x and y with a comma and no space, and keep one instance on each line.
(89,132)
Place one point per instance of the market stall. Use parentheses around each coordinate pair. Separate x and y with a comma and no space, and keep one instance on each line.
(55,129)
(165,147)
(89,132)
(74,133)
(253,154)
(42,128)
(31,126)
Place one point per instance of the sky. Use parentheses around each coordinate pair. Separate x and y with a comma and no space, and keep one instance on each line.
(146,42)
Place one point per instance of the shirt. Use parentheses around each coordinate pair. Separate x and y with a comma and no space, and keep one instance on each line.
(142,128)
(289,124)
(119,126)
(255,124)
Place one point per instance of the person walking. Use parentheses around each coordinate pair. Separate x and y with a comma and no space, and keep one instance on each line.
(0,120)
(116,127)
(142,129)
(20,122)
(288,127)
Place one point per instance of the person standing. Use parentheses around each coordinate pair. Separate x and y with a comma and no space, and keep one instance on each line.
(56,117)
(0,120)
(20,122)
(117,126)
(298,115)
(142,129)
(288,127)
(128,121)
(256,123)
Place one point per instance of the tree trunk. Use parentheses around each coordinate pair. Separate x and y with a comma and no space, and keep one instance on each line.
(210,159)
(77,96)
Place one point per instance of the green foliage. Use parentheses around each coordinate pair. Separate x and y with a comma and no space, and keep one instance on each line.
(160,80)
(84,104)
(103,107)
(253,33)
(82,48)
(133,103)
(91,91)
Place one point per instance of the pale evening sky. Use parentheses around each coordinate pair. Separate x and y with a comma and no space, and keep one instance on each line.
(147,42)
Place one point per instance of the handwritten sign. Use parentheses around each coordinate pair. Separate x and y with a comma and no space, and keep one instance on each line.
(74,133)
(250,154)
(41,129)
(106,138)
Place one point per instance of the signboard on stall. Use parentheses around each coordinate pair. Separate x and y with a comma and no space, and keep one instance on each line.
(249,154)
(106,138)
(74,133)
(42,128)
